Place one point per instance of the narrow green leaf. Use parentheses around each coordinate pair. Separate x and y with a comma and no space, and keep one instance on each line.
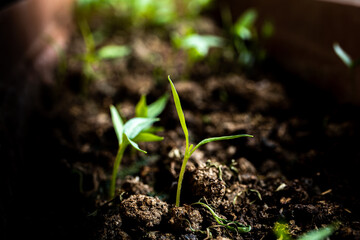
(207,140)
(147,137)
(180,112)
(191,146)
(245,23)
(343,55)
(113,52)
(118,123)
(320,234)
(87,36)
(155,108)
(135,125)
(134,144)
(141,109)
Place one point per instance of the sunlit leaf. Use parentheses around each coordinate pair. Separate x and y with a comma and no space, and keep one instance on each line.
(179,112)
(155,108)
(201,43)
(113,52)
(244,24)
(213,139)
(134,144)
(282,231)
(343,55)
(141,109)
(135,125)
(320,234)
(118,123)
(147,137)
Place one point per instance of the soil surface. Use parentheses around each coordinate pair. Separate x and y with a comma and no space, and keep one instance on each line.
(298,168)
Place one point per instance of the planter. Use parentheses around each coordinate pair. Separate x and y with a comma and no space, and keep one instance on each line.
(59,144)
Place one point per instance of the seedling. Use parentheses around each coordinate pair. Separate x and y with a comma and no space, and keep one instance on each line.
(350,63)
(233,226)
(345,57)
(92,56)
(134,131)
(190,149)
(282,232)
(197,46)
(246,39)
(146,12)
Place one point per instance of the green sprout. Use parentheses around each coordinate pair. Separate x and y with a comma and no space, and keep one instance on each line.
(350,63)
(197,46)
(138,129)
(345,57)
(93,56)
(190,149)
(142,13)
(233,226)
(246,40)
(282,232)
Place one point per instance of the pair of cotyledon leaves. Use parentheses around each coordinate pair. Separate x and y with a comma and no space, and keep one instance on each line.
(138,129)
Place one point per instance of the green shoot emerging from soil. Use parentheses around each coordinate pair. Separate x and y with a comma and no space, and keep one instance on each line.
(282,232)
(190,149)
(233,226)
(135,130)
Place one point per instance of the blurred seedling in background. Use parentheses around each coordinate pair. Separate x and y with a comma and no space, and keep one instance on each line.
(190,149)
(350,63)
(92,56)
(246,40)
(345,57)
(134,131)
(196,46)
(282,232)
(141,13)
(233,226)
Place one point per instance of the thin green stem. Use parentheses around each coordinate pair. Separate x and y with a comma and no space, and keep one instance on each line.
(118,158)
(181,176)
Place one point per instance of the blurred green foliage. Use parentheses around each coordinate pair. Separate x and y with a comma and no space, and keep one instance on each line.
(143,12)
(197,46)
(282,232)
(92,56)
(246,38)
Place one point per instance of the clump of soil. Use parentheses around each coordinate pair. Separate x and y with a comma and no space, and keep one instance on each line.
(143,211)
(184,219)
(205,182)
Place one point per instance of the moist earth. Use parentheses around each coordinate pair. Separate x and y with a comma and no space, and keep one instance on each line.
(297,169)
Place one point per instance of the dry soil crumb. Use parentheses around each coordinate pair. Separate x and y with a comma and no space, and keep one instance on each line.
(205,182)
(181,218)
(143,210)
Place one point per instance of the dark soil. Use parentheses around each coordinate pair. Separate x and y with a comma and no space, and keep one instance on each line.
(300,168)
